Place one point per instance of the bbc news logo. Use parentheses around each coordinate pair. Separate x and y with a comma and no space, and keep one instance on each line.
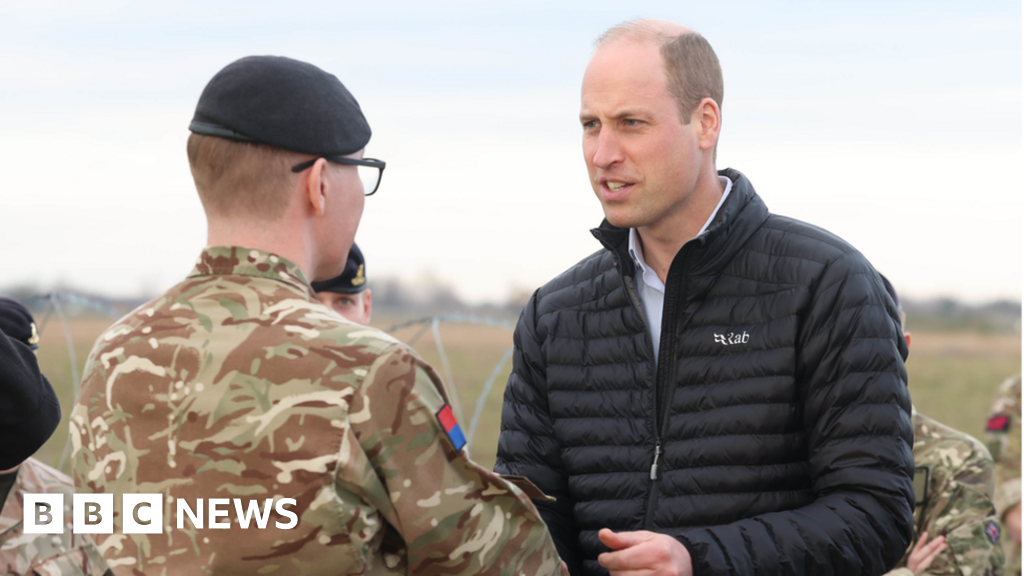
(144,513)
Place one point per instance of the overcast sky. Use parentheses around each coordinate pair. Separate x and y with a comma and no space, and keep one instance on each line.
(896,125)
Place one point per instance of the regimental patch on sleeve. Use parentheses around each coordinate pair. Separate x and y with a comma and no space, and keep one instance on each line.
(451,426)
(992,530)
(998,423)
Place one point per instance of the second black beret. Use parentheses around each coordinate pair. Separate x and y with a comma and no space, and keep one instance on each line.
(352,280)
(17,322)
(29,410)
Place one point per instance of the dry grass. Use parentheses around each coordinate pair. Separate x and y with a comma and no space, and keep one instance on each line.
(953,375)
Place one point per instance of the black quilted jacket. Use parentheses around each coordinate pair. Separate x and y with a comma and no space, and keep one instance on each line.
(774,437)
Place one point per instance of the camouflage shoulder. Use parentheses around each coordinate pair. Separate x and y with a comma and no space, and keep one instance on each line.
(1003,424)
(344,331)
(1011,386)
(937,443)
(127,322)
(326,324)
(1008,398)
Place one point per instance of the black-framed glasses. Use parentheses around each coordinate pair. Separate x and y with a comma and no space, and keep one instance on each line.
(370,170)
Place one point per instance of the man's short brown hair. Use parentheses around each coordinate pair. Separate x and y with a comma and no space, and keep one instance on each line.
(241,179)
(691,65)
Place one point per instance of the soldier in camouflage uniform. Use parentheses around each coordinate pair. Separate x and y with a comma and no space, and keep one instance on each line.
(956,532)
(953,480)
(238,383)
(1004,437)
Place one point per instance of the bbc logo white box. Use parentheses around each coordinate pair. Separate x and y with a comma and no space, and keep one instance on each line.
(143,513)
(43,514)
(93,514)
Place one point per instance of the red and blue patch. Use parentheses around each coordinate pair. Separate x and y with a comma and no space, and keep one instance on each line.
(993,532)
(451,426)
(998,423)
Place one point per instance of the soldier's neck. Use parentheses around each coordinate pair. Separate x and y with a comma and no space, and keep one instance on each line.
(278,239)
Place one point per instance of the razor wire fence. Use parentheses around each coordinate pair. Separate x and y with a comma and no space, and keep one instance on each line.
(62,305)
(433,323)
(54,303)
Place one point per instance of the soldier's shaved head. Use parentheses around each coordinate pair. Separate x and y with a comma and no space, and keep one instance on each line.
(691,66)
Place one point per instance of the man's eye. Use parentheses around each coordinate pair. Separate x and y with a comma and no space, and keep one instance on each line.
(632,122)
(589,124)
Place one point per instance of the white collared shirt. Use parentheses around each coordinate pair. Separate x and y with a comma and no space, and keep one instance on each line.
(650,287)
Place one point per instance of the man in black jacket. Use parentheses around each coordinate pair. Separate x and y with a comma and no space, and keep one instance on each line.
(719,390)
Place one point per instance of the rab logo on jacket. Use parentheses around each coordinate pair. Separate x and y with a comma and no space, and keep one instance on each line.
(732,338)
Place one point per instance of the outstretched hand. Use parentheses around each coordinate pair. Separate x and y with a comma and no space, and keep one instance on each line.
(924,552)
(654,554)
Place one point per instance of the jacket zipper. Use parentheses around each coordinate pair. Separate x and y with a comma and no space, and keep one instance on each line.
(663,378)
(634,298)
(654,466)
(660,419)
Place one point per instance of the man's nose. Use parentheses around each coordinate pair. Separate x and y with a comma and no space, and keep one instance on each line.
(608,150)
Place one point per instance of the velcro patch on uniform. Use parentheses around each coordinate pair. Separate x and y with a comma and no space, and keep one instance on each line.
(998,423)
(992,529)
(451,426)
(921,474)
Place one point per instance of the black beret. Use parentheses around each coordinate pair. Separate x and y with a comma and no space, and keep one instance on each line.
(17,322)
(29,410)
(352,280)
(284,103)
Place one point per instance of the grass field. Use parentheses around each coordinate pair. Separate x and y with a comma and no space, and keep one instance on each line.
(953,375)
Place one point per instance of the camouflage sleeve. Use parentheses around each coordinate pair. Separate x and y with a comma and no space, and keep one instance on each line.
(963,512)
(1003,432)
(446,514)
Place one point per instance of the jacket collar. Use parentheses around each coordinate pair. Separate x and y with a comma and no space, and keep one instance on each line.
(739,217)
(240,261)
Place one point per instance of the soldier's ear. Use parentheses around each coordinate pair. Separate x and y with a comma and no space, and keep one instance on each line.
(907,336)
(314,187)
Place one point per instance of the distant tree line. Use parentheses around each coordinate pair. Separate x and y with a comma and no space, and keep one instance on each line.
(395,297)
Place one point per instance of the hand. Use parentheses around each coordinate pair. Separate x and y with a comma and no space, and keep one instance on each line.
(924,552)
(654,554)
(565,569)
(1012,521)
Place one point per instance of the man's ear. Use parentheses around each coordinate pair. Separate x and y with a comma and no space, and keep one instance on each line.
(709,117)
(314,186)
(368,303)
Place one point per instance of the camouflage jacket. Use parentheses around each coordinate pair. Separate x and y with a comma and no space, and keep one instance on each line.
(953,483)
(1004,437)
(44,554)
(237,383)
